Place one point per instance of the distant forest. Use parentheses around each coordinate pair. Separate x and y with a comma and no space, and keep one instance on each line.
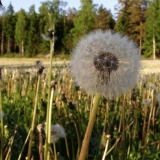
(26,33)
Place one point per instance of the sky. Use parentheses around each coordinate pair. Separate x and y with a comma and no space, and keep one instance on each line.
(25,4)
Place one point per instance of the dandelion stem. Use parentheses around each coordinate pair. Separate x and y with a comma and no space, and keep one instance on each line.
(24,145)
(49,122)
(34,119)
(46,152)
(151,112)
(1,156)
(88,133)
(105,151)
(123,128)
(67,149)
(10,144)
(55,152)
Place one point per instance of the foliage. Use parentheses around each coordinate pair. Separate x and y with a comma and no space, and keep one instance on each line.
(20,30)
(84,21)
(26,34)
(104,19)
(152,30)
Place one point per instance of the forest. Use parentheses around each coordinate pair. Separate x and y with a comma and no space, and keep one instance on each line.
(25,34)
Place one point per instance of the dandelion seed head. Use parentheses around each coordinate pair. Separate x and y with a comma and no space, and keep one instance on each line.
(151,86)
(57,132)
(158,97)
(1,114)
(146,101)
(105,63)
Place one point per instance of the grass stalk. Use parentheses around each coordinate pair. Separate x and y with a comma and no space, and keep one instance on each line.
(10,145)
(86,140)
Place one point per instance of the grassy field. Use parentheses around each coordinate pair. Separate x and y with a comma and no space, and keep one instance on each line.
(125,128)
(148,66)
(26,61)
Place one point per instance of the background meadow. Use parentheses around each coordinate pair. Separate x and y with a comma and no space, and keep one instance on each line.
(126,127)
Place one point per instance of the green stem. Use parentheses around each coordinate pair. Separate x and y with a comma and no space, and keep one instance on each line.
(88,133)
(123,128)
(34,120)
(49,122)
(2,132)
(24,145)
(106,148)
(55,152)
(46,151)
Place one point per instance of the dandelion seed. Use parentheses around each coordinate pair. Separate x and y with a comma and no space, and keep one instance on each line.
(152,86)
(158,97)
(38,63)
(105,63)
(57,132)
(40,70)
(45,38)
(146,101)
(53,84)
(1,114)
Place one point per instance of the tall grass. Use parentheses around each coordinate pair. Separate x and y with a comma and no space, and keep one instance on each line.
(131,121)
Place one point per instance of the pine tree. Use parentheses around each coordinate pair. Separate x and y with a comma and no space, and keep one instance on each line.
(33,33)
(9,28)
(50,12)
(151,44)
(132,18)
(104,19)
(84,22)
(2,34)
(122,18)
(137,17)
(20,31)
(69,25)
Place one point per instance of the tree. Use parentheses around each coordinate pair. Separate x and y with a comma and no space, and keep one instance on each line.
(152,30)
(33,33)
(84,22)
(137,16)
(50,12)
(2,34)
(104,19)
(20,31)
(69,25)
(132,16)
(122,18)
(9,28)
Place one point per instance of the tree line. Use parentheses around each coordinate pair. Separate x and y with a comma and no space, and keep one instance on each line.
(26,33)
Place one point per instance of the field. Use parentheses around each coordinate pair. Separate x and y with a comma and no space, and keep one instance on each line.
(148,66)
(125,128)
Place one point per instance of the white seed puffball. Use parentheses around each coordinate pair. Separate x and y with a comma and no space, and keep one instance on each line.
(106,63)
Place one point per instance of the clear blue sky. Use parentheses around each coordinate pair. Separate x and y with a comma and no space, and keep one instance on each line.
(25,4)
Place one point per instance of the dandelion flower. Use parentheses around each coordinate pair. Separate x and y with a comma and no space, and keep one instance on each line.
(106,63)
(57,132)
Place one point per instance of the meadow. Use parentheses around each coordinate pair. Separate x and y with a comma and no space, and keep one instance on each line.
(125,128)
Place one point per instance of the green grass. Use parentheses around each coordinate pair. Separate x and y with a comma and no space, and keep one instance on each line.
(134,133)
